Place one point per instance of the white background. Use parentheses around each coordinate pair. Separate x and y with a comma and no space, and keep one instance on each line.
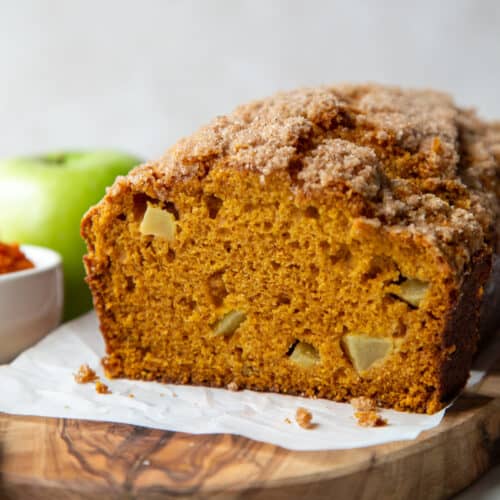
(137,75)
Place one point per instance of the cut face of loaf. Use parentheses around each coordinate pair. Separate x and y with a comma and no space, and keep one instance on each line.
(225,281)
(329,242)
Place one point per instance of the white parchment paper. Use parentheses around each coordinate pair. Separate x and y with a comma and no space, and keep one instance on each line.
(40,382)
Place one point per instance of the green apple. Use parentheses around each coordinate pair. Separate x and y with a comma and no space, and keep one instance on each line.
(43,199)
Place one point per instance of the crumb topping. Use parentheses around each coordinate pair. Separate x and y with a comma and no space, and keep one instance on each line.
(414,161)
(337,161)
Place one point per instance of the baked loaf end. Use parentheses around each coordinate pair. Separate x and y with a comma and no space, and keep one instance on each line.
(331,242)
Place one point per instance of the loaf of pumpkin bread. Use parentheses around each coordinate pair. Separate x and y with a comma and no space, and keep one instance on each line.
(331,242)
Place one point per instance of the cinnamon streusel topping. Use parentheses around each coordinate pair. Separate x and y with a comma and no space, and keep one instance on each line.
(414,161)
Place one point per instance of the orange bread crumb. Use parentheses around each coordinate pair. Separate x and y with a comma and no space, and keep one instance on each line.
(304,418)
(101,388)
(370,418)
(85,375)
(366,412)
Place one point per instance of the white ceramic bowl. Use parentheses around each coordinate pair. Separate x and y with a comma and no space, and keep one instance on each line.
(31,302)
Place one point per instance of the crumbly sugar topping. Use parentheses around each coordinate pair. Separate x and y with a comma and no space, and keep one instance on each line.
(416,161)
(338,160)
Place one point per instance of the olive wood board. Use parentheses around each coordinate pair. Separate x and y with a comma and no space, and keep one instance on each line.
(49,458)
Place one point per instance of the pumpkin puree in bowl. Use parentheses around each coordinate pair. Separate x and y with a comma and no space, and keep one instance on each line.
(13,259)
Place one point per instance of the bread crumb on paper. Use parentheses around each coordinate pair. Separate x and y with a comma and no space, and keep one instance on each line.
(366,412)
(232,386)
(102,388)
(304,418)
(85,375)
(370,419)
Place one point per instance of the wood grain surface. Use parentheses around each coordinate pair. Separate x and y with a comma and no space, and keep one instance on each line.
(45,458)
